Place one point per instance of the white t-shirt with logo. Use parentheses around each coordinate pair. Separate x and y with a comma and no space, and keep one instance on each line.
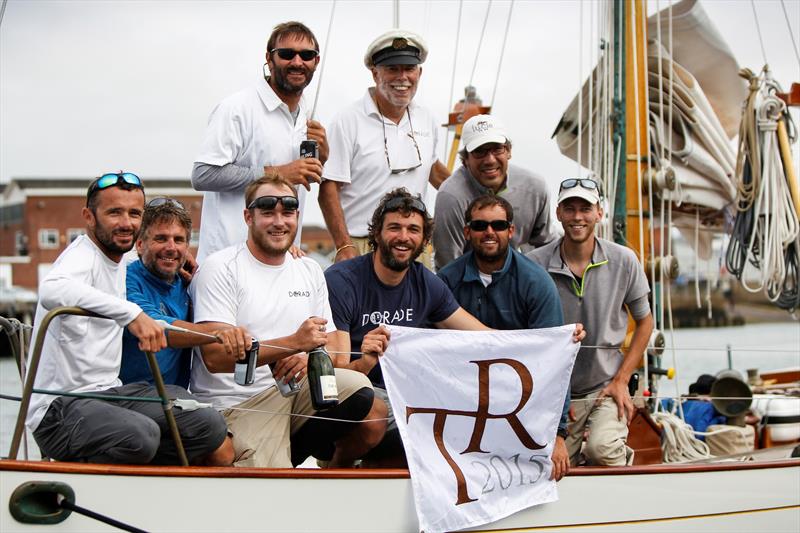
(234,287)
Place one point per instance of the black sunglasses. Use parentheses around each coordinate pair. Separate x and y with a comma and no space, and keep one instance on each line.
(574,182)
(287,54)
(268,203)
(163,200)
(110,180)
(402,203)
(483,225)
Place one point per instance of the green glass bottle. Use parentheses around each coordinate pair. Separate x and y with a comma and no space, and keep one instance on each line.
(322,380)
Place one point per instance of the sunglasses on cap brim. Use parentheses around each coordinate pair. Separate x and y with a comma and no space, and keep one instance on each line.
(268,203)
(483,225)
(586,183)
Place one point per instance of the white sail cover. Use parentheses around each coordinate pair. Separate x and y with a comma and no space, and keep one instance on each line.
(478,412)
(705,104)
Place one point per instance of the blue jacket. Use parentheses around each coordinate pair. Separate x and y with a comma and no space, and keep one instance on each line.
(522,295)
(160,301)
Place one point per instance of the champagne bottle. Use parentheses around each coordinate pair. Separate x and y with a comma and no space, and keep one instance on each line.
(322,380)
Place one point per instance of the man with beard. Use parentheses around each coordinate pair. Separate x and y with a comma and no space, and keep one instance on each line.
(387,286)
(154,284)
(256,130)
(283,302)
(82,354)
(504,289)
(485,169)
(600,283)
(380,142)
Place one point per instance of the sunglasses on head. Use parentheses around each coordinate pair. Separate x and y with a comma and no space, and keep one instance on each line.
(110,180)
(574,182)
(268,203)
(163,200)
(287,54)
(483,225)
(402,203)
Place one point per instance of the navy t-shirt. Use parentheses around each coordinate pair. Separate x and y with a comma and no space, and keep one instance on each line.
(360,302)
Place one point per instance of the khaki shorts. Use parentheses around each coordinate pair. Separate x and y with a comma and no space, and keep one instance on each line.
(426,257)
(261,437)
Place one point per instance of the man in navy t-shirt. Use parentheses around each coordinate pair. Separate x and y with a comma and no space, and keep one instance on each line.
(387,286)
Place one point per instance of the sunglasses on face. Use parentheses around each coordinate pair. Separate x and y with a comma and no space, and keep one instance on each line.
(396,204)
(574,182)
(110,180)
(483,151)
(268,203)
(163,200)
(287,54)
(483,225)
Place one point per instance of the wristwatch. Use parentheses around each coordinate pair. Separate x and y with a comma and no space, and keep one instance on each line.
(562,432)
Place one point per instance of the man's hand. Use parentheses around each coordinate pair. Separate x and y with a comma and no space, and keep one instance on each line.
(291,366)
(235,341)
(310,334)
(303,171)
(317,133)
(579,334)
(296,252)
(189,268)
(151,335)
(374,344)
(560,459)
(619,392)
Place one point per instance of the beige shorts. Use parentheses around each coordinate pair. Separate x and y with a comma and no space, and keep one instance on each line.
(426,257)
(261,437)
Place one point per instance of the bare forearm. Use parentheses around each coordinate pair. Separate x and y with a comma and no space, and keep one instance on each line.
(332,212)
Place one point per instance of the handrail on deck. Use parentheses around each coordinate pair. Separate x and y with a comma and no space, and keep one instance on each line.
(33,368)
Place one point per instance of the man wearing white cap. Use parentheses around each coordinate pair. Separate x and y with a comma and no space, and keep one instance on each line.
(379,143)
(599,283)
(485,170)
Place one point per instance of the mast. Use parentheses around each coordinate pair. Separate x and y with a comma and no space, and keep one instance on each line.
(631,218)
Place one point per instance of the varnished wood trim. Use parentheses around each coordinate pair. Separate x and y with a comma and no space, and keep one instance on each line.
(355,473)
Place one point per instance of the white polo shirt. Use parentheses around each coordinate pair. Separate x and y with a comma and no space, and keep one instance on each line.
(358,158)
(251,128)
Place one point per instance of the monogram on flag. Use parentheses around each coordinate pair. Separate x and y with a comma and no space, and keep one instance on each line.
(478,413)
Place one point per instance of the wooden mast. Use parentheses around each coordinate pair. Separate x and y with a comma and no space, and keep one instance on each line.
(631,225)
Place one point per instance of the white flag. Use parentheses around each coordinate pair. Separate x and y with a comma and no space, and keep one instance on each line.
(478,413)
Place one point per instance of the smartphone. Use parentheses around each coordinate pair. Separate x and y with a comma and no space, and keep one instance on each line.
(308,148)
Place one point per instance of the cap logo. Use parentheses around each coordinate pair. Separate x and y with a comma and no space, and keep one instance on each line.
(481,126)
(399,43)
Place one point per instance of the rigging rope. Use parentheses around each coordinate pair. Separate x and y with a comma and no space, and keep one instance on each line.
(480,42)
(453,74)
(502,54)
(791,34)
(323,61)
(758,32)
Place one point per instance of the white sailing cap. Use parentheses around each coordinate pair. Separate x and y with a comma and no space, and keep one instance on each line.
(396,47)
(584,188)
(482,129)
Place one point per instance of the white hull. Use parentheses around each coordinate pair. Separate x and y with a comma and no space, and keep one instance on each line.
(713,497)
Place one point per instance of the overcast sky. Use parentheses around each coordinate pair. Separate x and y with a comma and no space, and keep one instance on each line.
(88,87)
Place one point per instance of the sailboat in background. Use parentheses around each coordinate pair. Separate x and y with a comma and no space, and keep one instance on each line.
(618,131)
